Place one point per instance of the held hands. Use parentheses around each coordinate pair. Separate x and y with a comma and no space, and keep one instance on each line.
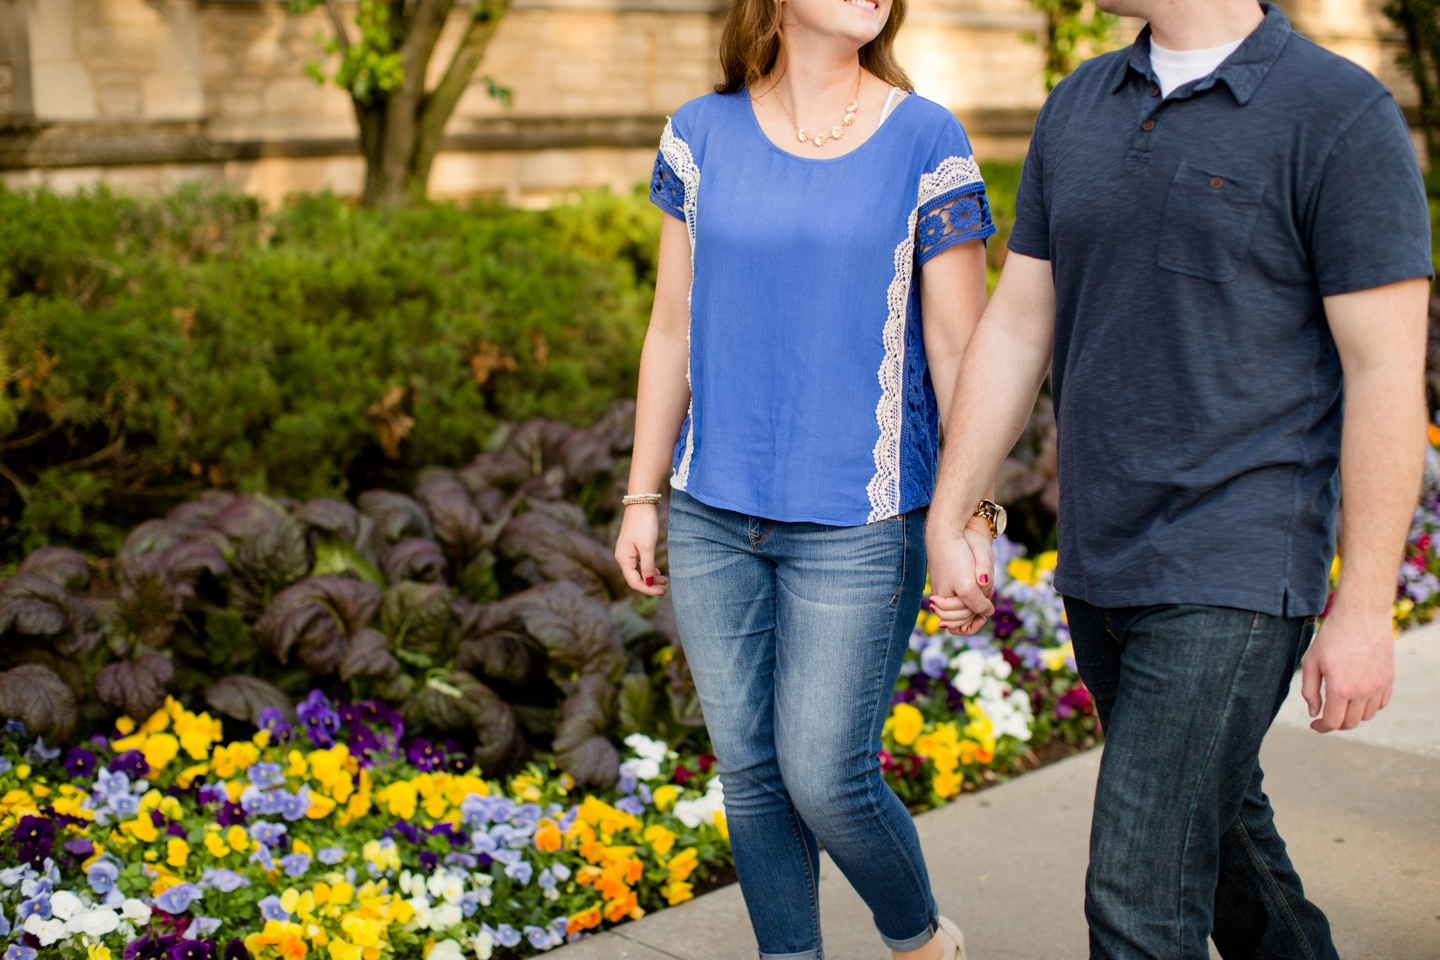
(635,549)
(962,576)
(1354,654)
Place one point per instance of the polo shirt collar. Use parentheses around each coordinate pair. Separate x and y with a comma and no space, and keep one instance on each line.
(1242,71)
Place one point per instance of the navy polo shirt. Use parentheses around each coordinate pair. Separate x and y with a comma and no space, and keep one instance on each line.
(1197,387)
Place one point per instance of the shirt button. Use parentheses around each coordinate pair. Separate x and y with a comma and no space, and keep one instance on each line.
(1217,182)
(1148,125)
(1154,91)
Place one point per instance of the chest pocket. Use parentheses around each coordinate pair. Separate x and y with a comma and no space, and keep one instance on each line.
(1208,221)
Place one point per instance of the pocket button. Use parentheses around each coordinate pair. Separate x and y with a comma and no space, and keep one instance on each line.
(1216,183)
(1148,125)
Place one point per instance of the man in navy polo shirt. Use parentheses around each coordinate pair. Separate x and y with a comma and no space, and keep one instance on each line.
(1220,232)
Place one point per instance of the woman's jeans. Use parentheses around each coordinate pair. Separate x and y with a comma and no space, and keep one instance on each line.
(795,633)
(1183,842)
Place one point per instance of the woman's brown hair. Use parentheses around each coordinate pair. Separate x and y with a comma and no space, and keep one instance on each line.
(750,43)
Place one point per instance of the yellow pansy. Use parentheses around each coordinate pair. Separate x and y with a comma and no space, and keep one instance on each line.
(1054,657)
(683,864)
(141,828)
(722,824)
(238,838)
(177,851)
(298,767)
(170,809)
(660,839)
(666,796)
(97,952)
(197,733)
(188,776)
(907,724)
(215,845)
(340,950)
(1021,569)
(321,806)
(678,893)
(159,750)
(399,798)
(946,784)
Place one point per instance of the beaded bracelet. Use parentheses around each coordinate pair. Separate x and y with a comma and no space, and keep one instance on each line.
(638,498)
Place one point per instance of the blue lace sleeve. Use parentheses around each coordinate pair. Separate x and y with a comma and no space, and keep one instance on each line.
(950,220)
(666,190)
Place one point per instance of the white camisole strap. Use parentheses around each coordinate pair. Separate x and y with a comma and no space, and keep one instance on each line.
(889,101)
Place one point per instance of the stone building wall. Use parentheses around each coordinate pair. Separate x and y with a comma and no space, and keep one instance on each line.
(142,93)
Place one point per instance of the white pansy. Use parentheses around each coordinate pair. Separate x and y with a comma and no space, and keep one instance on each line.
(446,950)
(133,909)
(446,916)
(64,905)
(46,931)
(649,749)
(446,885)
(95,923)
(692,813)
(641,768)
(483,945)
(423,913)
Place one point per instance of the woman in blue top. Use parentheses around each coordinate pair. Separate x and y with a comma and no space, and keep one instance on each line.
(820,271)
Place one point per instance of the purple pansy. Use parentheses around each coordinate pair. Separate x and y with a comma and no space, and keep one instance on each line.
(132,763)
(318,719)
(273,720)
(79,762)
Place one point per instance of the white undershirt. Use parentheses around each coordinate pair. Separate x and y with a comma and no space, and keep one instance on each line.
(1175,68)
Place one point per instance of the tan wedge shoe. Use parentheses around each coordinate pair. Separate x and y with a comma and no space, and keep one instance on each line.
(955,949)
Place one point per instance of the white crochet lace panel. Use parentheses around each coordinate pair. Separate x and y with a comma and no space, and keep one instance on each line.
(884,486)
(677,154)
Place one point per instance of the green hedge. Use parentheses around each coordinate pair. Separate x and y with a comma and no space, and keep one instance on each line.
(151,348)
(154,347)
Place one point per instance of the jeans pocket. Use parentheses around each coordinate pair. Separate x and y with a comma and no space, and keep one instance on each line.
(1208,221)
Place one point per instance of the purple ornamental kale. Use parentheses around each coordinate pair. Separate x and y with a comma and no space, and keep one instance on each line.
(318,719)
(132,763)
(79,762)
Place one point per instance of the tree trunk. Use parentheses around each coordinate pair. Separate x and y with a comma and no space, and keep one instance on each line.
(440,103)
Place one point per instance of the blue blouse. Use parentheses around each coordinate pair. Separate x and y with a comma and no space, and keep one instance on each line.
(810,397)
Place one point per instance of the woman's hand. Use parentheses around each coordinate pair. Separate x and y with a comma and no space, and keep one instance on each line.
(635,549)
(964,611)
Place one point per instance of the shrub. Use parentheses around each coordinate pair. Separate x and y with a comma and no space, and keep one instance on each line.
(152,348)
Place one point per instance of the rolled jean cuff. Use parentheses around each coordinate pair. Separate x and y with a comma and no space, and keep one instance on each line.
(915,942)
(817,954)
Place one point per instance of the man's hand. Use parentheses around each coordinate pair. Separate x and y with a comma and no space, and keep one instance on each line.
(962,576)
(1354,654)
(1380,335)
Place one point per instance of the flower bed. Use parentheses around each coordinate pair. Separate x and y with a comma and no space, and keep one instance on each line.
(343,839)
(1418,590)
(968,710)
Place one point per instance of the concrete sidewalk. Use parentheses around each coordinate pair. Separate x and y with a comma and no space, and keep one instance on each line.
(1360,812)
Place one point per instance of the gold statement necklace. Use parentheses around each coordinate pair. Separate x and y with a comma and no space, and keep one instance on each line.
(836,132)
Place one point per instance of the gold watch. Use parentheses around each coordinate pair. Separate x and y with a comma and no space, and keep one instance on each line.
(994,515)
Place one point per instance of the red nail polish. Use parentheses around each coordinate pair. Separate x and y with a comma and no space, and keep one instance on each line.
(984,578)
(649,581)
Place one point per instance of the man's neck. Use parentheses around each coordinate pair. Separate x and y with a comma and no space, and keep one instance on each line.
(1191,25)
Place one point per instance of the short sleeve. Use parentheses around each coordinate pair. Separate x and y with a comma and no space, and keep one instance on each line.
(952,204)
(666,189)
(1030,236)
(1371,223)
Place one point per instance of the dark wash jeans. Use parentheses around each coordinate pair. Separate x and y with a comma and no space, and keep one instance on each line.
(1183,840)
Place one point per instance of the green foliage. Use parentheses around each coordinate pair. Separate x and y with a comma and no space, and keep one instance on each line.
(151,348)
(370,67)
(1419,21)
(1001,182)
(1075,30)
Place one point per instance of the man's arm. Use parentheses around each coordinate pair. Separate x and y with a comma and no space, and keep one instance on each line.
(1000,376)
(1380,334)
